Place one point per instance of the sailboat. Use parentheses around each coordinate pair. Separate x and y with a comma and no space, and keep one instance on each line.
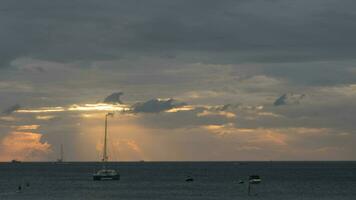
(104,173)
(61,159)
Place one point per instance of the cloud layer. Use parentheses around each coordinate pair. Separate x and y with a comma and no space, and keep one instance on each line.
(229,61)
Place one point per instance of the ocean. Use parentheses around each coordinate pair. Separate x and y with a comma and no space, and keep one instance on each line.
(166,180)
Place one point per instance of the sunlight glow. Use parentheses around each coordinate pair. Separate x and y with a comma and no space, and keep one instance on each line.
(75,107)
(99,107)
(23,146)
(183,108)
(27,127)
(42,110)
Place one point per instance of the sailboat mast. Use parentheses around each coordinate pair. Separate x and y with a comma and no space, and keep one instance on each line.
(61,152)
(105,157)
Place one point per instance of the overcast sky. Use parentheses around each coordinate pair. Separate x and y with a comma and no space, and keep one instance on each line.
(192,79)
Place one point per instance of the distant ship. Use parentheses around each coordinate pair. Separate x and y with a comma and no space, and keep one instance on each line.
(104,173)
(15,161)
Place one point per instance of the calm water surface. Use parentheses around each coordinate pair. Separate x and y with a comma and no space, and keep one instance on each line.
(166,180)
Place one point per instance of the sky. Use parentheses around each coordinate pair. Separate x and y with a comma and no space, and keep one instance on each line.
(187,80)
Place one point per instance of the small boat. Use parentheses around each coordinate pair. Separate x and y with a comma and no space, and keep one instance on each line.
(189,179)
(104,173)
(254,179)
(15,161)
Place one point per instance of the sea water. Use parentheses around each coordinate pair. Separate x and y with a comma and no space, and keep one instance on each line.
(166,180)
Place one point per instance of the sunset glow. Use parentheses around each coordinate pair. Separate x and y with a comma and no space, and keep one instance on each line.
(182,80)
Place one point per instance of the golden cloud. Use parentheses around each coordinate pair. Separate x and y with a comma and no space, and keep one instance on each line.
(26,127)
(76,107)
(45,117)
(23,146)
(225,114)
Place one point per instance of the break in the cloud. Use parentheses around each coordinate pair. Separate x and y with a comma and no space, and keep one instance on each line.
(228,60)
(156,105)
(259,132)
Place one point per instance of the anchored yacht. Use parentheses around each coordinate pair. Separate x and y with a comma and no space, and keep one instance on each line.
(254,179)
(105,173)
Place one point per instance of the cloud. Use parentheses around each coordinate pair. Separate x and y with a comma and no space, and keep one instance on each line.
(8,118)
(11,109)
(289,99)
(27,127)
(45,117)
(229,59)
(285,143)
(245,30)
(114,98)
(23,146)
(77,108)
(42,110)
(156,105)
(313,73)
(207,113)
(10,86)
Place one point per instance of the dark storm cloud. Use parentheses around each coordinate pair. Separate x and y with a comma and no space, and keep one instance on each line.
(114,98)
(156,105)
(260,31)
(281,100)
(322,73)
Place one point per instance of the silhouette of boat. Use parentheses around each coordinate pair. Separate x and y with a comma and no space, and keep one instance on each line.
(15,161)
(254,179)
(61,158)
(189,179)
(104,173)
